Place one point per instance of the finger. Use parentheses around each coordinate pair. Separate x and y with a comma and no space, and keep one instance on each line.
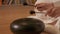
(51,12)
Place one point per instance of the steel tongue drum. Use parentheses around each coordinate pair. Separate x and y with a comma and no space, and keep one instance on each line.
(27,26)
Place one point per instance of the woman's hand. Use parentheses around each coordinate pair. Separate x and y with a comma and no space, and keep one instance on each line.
(54,12)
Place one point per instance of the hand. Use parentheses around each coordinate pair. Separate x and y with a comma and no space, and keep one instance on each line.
(43,6)
(55,12)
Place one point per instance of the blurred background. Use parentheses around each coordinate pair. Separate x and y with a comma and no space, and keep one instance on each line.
(16,2)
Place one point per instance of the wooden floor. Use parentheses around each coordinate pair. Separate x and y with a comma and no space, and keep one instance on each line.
(11,13)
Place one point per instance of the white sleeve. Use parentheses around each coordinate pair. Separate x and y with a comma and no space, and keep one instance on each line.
(50,29)
(58,25)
